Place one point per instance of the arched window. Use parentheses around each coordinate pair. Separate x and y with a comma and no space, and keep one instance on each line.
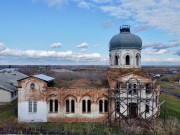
(127,60)
(89,106)
(103,106)
(32,86)
(134,89)
(84,106)
(100,106)
(72,106)
(53,106)
(130,88)
(56,106)
(67,106)
(116,60)
(137,59)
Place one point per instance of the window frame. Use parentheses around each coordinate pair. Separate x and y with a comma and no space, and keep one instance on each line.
(32,106)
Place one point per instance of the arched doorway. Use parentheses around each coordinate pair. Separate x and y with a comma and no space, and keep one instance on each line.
(127,60)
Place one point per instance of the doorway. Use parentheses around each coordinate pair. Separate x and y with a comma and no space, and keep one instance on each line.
(133,110)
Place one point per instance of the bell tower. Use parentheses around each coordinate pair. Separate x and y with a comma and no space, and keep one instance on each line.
(125,49)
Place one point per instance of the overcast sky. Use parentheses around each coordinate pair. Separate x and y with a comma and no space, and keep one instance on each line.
(78,31)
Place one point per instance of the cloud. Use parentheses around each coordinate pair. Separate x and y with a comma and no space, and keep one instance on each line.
(164,60)
(159,45)
(161,14)
(178,52)
(51,55)
(82,45)
(83,4)
(157,52)
(102,1)
(109,24)
(53,3)
(83,50)
(2,46)
(141,28)
(55,45)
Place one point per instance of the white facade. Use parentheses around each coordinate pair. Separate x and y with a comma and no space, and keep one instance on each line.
(25,116)
(125,58)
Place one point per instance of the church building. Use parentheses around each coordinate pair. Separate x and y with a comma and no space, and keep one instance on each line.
(130,92)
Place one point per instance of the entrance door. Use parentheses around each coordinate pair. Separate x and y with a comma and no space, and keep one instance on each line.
(133,110)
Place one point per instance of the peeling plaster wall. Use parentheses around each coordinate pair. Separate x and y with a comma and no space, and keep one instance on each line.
(78,95)
(25,93)
(43,94)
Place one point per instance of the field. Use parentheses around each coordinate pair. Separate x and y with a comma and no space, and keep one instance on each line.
(172,106)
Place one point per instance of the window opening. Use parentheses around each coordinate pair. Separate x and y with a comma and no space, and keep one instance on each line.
(67,106)
(127,60)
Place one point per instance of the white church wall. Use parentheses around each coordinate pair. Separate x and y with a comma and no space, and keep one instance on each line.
(25,116)
(121,60)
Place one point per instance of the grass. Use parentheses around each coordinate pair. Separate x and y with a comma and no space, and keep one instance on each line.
(80,127)
(170,85)
(172,106)
(7,111)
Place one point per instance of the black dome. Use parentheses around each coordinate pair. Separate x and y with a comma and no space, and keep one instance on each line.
(125,40)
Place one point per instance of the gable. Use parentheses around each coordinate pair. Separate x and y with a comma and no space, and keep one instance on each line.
(25,84)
